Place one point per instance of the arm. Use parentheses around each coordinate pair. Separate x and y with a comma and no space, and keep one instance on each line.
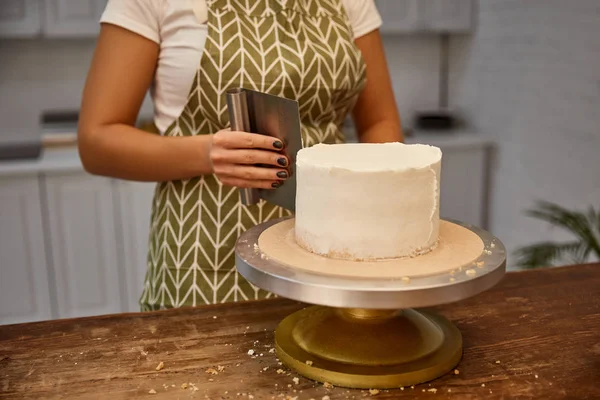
(375,114)
(121,72)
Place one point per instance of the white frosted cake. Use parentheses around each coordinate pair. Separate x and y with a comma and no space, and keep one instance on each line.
(363,201)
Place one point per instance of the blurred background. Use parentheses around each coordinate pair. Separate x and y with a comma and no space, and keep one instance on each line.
(509,89)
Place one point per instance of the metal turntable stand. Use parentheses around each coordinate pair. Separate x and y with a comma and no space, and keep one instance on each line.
(363,331)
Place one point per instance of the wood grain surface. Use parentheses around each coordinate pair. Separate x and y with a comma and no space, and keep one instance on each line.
(536,335)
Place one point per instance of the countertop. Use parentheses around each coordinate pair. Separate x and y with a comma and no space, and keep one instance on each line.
(60,153)
(536,335)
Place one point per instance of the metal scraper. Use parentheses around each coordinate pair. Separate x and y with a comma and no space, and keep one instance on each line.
(261,113)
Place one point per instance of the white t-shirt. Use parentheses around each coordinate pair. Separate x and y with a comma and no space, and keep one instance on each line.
(180,28)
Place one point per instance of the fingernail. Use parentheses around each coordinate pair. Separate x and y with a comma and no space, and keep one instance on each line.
(282,161)
(277,144)
(275,184)
(282,174)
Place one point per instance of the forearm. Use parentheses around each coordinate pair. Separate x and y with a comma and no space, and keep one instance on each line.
(381,132)
(124,152)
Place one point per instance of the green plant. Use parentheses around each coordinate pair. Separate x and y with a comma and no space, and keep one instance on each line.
(585,226)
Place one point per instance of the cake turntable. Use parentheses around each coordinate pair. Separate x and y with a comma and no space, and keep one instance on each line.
(362,330)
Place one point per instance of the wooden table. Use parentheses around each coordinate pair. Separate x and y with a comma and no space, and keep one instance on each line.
(534,336)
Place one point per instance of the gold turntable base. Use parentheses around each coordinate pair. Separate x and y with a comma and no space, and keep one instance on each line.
(364,349)
(364,330)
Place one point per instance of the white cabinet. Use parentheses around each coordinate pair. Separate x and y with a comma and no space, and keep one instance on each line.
(462,188)
(24,285)
(71,244)
(454,16)
(135,202)
(50,18)
(83,241)
(20,18)
(400,16)
(73,18)
(436,16)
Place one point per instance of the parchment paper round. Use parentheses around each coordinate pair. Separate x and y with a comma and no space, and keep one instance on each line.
(457,247)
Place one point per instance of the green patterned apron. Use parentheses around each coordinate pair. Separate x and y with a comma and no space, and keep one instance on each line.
(298,49)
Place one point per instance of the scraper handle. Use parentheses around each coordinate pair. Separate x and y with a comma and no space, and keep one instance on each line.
(237,106)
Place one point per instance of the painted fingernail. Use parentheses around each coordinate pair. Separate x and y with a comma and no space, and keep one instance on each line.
(277,144)
(282,174)
(282,161)
(275,184)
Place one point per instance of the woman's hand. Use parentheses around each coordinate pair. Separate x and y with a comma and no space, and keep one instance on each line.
(248,160)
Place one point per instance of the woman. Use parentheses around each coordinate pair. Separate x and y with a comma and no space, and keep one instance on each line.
(327,54)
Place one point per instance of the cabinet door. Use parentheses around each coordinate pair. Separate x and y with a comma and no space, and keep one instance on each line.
(463,192)
(73,18)
(81,217)
(20,18)
(452,16)
(400,16)
(24,287)
(135,202)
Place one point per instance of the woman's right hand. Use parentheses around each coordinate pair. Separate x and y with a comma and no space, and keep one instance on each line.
(235,157)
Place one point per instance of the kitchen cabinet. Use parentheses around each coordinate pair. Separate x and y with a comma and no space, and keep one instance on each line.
(463,185)
(24,285)
(135,202)
(73,18)
(83,241)
(420,16)
(50,18)
(20,18)
(453,16)
(400,16)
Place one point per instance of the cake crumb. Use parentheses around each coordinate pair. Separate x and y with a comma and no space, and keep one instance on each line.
(405,279)
(483,385)
(373,392)
(536,376)
(497,361)
(280,371)
(296,380)
(456,372)
(471,272)
(308,362)
(220,368)
(151,391)
(325,398)
(272,350)
(432,390)
(480,264)
(328,385)
(184,386)
(160,366)
(250,352)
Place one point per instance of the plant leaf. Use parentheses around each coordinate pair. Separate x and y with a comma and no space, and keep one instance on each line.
(547,253)
(583,226)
